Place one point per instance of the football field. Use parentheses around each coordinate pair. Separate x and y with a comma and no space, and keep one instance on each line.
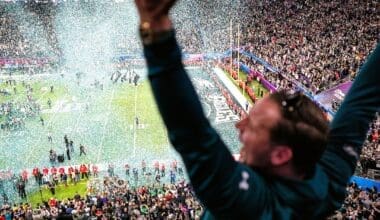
(103,120)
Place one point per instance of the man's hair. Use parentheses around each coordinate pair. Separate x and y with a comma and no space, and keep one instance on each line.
(303,127)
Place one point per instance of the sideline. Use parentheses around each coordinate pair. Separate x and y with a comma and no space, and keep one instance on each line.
(230,86)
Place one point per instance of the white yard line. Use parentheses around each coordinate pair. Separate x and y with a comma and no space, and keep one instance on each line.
(83,112)
(6,76)
(105,126)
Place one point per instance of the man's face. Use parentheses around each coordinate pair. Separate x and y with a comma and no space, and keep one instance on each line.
(254,133)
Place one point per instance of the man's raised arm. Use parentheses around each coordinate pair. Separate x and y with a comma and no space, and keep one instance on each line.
(350,125)
(213,172)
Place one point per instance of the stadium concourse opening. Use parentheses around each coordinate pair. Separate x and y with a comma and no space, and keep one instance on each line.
(77,115)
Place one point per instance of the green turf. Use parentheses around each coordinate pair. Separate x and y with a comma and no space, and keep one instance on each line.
(41,93)
(150,134)
(61,193)
(254,84)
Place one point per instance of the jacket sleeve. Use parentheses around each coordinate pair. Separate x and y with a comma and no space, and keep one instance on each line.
(350,125)
(213,172)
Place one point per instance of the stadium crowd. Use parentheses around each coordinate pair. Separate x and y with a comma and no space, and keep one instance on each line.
(306,41)
(110,196)
(147,202)
(16,38)
(359,204)
(310,41)
(369,160)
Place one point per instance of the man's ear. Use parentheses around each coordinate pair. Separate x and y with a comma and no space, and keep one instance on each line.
(280,155)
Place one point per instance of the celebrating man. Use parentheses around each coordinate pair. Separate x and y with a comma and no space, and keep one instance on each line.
(295,166)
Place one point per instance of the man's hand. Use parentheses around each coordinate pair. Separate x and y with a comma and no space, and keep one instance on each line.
(155,13)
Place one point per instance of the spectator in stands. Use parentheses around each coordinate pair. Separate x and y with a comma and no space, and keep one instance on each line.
(286,172)
(359,204)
